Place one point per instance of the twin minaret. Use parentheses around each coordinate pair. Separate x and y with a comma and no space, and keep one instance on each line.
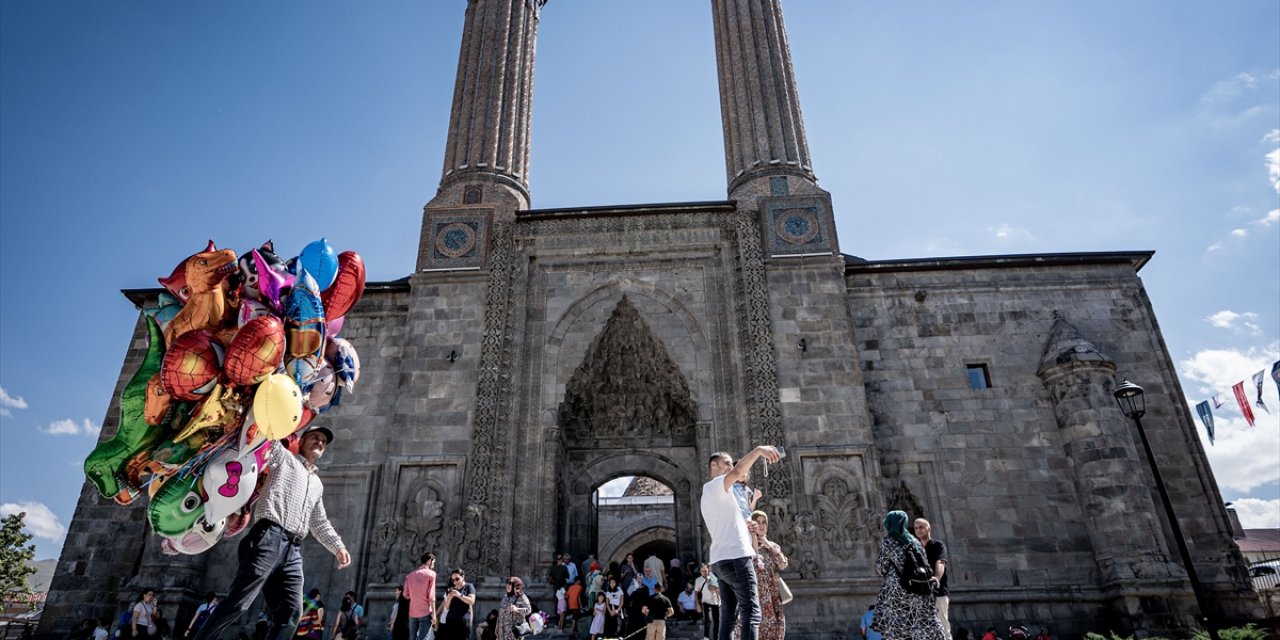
(486,159)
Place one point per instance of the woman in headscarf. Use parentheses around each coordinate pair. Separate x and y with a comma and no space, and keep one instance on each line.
(901,614)
(768,563)
(513,610)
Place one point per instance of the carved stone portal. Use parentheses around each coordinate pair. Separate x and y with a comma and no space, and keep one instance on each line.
(628,389)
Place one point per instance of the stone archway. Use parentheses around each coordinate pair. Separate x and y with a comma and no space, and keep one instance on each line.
(587,469)
(637,536)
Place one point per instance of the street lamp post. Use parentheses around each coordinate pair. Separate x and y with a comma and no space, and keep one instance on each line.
(1129,396)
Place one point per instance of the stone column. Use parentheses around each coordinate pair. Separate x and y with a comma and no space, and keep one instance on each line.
(763,131)
(1111,482)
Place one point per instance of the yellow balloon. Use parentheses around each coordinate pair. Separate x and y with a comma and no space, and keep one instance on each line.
(277,406)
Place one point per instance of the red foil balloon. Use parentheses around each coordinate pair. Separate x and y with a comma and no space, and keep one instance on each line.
(347,288)
(256,351)
(191,365)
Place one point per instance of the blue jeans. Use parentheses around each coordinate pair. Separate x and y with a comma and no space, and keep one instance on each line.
(270,564)
(739,598)
(420,628)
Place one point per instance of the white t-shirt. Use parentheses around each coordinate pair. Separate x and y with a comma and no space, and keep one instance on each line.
(705,586)
(730,538)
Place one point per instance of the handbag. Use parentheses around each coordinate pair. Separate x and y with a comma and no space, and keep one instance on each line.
(521,630)
(915,573)
(784,591)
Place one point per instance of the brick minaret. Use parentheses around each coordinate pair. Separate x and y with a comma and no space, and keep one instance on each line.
(763,131)
(486,158)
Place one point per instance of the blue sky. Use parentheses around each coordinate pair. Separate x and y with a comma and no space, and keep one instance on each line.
(132,132)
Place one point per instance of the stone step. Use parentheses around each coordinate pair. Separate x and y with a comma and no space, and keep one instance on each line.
(682,630)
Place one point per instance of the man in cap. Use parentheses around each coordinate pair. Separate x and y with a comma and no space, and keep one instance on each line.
(291,506)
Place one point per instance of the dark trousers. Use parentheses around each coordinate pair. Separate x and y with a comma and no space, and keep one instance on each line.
(739,598)
(710,620)
(270,564)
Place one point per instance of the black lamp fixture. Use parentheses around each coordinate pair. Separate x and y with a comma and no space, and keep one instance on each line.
(1129,397)
(452,357)
(1132,404)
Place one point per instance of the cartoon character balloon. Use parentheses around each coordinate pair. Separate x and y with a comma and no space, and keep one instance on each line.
(191,365)
(256,351)
(105,466)
(305,327)
(229,480)
(206,304)
(177,506)
(199,538)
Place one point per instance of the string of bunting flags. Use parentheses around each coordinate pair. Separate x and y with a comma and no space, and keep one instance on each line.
(1206,408)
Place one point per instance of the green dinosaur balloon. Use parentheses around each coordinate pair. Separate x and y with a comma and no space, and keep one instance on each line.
(177,507)
(105,466)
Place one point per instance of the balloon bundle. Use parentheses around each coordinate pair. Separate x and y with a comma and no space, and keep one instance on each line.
(241,351)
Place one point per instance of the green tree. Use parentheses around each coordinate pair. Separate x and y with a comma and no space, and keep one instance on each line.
(15,558)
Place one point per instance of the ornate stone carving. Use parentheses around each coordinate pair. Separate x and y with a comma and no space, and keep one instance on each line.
(761,377)
(487,533)
(901,499)
(642,486)
(808,567)
(844,519)
(797,225)
(423,519)
(388,531)
(455,238)
(628,387)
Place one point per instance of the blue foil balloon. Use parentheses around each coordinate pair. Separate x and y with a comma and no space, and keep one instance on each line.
(319,259)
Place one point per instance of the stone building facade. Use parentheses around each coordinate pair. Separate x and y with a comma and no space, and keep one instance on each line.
(534,355)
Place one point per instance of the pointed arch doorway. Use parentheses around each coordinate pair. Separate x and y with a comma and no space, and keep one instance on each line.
(627,412)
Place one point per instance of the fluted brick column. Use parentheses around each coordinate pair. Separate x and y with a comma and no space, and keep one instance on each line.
(763,131)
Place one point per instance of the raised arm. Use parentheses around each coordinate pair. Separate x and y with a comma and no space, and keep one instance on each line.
(742,469)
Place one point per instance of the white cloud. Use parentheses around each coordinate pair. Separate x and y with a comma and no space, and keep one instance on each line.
(1246,322)
(1258,514)
(1240,99)
(1228,90)
(1243,458)
(1217,369)
(615,487)
(39,521)
(8,402)
(1239,233)
(1272,217)
(1273,169)
(1217,246)
(1272,137)
(68,427)
(1005,232)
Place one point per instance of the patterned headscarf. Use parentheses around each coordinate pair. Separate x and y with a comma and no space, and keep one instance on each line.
(895,523)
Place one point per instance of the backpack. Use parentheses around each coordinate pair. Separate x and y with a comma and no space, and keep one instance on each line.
(123,629)
(351,624)
(915,572)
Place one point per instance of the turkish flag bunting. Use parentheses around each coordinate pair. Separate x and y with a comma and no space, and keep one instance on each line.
(1243,401)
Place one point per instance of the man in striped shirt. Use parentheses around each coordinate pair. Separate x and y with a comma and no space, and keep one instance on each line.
(291,506)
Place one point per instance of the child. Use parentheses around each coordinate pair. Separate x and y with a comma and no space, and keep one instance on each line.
(597,616)
(561,606)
